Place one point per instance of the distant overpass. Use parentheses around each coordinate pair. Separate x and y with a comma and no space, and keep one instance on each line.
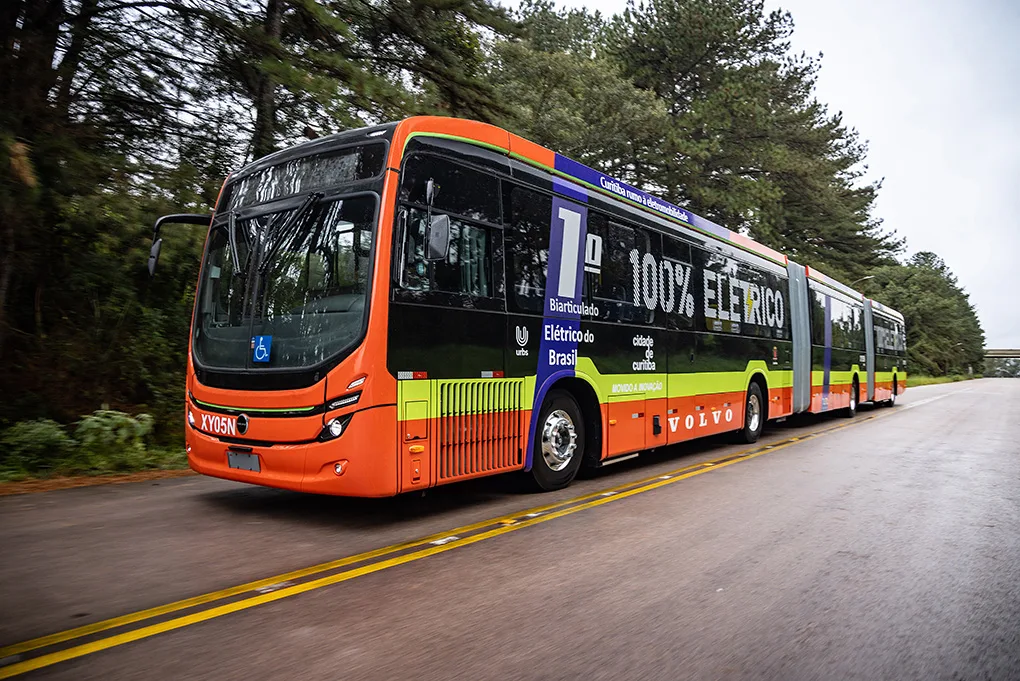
(999,353)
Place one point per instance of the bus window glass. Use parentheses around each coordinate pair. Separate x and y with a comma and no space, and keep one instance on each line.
(619,289)
(458,189)
(676,250)
(739,298)
(222,296)
(839,315)
(678,281)
(468,265)
(527,248)
(762,308)
(817,318)
(321,171)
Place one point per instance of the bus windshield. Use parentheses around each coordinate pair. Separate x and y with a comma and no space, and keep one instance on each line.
(291,292)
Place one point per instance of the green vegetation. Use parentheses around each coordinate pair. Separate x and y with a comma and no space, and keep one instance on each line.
(113,113)
(915,381)
(1002,368)
(103,442)
(944,335)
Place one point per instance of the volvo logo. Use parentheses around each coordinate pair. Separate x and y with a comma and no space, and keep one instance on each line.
(242,423)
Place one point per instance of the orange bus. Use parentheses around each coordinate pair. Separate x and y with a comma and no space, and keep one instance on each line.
(407,305)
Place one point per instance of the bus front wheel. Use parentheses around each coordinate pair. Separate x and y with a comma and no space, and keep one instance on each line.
(559,442)
(754,415)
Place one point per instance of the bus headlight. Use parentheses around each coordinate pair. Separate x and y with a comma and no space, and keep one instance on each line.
(334,428)
(191,419)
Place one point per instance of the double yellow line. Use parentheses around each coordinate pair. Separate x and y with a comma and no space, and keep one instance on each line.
(282,586)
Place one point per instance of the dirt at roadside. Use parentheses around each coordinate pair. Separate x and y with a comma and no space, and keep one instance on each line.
(50,484)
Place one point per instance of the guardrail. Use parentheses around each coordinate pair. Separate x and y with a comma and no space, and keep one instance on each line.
(999,353)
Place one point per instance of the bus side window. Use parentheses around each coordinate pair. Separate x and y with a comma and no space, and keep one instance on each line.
(764,303)
(678,252)
(613,289)
(468,266)
(459,190)
(527,248)
(818,318)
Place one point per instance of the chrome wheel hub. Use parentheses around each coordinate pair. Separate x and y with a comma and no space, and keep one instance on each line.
(753,412)
(559,440)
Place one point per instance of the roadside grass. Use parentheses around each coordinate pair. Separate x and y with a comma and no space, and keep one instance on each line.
(105,442)
(914,380)
(154,459)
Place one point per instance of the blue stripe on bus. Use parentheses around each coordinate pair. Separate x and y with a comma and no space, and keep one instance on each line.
(563,288)
(827,361)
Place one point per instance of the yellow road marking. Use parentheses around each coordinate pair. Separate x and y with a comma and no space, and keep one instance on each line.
(519,520)
(141,615)
(176,606)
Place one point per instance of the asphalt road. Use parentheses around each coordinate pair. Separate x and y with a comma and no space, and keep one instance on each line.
(887,547)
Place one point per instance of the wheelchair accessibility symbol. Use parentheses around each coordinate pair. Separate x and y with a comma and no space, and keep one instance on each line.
(260,347)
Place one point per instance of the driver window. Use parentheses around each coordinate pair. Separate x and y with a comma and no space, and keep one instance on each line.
(468,265)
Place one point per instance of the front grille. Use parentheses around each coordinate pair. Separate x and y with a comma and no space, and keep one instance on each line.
(479,427)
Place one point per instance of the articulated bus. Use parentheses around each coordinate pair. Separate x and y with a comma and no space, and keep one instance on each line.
(413,304)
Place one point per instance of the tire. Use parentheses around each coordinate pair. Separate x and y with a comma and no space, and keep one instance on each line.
(754,415)
(855,396)
(891,402)
(559,442)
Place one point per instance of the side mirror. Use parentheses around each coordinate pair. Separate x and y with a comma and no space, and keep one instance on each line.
(430,191)
(178,218)
(157,244)
(437,238)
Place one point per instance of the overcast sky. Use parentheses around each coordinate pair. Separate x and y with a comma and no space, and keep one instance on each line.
(934,87)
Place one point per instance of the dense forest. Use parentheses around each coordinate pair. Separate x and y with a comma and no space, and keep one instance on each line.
(113,112)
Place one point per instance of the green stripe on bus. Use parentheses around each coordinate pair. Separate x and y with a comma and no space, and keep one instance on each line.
(836,377)
(413,395)
(457,138)
(262,410)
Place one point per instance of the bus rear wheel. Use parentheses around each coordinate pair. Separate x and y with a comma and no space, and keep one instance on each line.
(891,402)
(559,442)
(855,393)
(754,415)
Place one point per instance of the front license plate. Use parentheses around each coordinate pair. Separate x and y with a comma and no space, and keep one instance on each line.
(246,462)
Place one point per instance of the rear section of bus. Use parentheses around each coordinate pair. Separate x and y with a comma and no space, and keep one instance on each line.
(887,353)
(286,380)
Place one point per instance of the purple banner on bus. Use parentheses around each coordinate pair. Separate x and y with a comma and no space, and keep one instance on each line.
(564,284)
(625,191)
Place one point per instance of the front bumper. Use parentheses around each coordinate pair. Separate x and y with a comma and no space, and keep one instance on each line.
(366,452)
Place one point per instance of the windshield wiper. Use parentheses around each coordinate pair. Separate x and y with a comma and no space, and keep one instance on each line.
(235,255)
(288,230)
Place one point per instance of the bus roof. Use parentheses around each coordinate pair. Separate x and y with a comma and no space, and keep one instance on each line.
(888,311)
(829,281)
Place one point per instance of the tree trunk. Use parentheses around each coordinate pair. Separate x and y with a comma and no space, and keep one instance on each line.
(6,270)
(10,14)
(264,138)
(32,74)
(72,58)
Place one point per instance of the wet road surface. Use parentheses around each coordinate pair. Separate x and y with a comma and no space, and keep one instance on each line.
(887,547)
